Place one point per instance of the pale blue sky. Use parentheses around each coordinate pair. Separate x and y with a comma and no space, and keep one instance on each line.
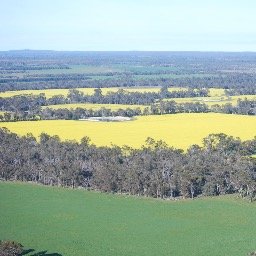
(158,25)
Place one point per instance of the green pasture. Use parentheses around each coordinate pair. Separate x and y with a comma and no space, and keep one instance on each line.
(77,222)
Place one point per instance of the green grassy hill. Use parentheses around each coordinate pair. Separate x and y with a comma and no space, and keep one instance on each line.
(75,222)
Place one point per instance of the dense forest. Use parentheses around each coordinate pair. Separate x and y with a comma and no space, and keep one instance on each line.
(221,166)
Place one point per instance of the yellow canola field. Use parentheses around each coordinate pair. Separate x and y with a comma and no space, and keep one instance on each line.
(95,106)
(216,92)
(179,130)
(52,92)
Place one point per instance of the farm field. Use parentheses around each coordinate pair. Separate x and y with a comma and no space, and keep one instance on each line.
(95,106)
(52,92)
(216,92)
(98,70)
(178,130)
(103,224)
(210,101)
(106,71)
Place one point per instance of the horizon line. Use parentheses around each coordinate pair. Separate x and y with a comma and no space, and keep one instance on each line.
(201,51)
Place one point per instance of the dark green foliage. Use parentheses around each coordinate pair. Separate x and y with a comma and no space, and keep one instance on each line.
(221,166)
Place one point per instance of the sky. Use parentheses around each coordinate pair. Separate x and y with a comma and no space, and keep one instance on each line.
(128,25)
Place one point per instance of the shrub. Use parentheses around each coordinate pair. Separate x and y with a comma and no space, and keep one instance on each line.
(10,248)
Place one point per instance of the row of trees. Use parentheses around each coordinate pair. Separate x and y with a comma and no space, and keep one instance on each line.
(34,102)
(249,89)
(168,107)
(125,97)
(163,107)
(244,107)
(44,78)
(221,166)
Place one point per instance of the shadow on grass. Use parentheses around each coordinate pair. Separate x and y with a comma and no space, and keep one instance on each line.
(32,252)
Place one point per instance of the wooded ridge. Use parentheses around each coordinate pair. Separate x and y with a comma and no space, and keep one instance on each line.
(221,166)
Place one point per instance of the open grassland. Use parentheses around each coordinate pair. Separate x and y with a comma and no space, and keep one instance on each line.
(95,106)
(75,222)
(53,92)
(178,130)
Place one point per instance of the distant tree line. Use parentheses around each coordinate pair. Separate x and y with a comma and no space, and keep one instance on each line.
(21,111)
(126,97)
(41,78)
(227,81)
(163,107)
(30,102)
(246,90)
(126,69)
(221,166)
(237,83)
(243,107)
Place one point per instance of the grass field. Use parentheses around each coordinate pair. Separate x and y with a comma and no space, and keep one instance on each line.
(179,130)
(95,106)
(75,222)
